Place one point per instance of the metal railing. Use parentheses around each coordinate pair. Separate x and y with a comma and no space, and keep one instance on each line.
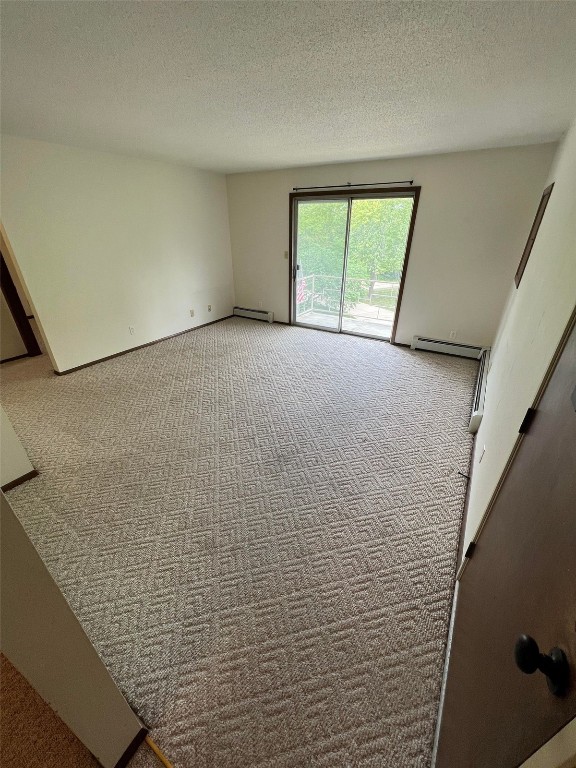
(372,299)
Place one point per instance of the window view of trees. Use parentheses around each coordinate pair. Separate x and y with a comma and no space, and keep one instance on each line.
(378,234)
(321,244)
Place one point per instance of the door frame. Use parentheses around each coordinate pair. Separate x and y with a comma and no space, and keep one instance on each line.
(18,312)
(344,194)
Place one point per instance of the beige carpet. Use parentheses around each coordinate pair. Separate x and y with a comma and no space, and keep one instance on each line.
(257,526)
(31,734)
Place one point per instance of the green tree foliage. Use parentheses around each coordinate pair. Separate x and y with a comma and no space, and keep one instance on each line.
(321,236)
(378,234)
(321,242)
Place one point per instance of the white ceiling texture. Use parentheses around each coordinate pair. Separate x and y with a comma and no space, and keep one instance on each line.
(234,86)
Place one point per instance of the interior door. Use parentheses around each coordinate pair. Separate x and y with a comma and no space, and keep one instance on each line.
(320,246)
(520,580)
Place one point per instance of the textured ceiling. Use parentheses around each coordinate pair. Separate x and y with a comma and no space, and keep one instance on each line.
(251,85)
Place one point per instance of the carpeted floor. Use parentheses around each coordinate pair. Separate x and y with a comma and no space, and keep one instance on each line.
(31,734)
(257,526)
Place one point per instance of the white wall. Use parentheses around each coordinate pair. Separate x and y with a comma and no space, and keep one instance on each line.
(105,241)
(11,344)
(44,640)
(536,316)
(14,462)
(474,215)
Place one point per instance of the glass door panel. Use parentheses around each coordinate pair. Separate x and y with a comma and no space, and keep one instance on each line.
(320,251)
(378,235)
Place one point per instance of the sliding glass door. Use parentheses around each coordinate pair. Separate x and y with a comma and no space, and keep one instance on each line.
(349,255)
(322,235)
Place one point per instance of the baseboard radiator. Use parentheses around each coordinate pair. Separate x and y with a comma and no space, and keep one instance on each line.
(463,350)
(480,392)
(446,347)
(254,314)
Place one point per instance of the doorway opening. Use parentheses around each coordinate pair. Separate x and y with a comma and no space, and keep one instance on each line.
(349,258)
(17,338)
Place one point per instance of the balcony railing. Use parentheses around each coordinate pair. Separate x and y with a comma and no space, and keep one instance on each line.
(374,300)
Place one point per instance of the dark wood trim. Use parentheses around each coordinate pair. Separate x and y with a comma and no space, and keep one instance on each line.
(20,480)
(16,357)
(291,318)
(132,748)
(533,233)
(140,346)
(17,310)
(405,265)
(413,192)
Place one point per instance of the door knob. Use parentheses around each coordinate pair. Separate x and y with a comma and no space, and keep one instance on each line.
(554,665)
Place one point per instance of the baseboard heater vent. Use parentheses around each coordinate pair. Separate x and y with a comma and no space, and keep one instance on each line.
(480,393)
(254,314)
(446,347)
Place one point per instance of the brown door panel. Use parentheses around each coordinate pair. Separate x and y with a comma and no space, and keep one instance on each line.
(521,580)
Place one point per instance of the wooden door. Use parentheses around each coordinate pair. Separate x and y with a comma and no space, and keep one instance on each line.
(521,579)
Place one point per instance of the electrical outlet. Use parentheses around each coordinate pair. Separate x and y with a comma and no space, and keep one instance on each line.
(191,313)
(259,305)
(131,329)
(209,307)
(453,334)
